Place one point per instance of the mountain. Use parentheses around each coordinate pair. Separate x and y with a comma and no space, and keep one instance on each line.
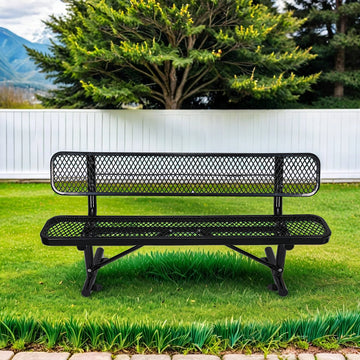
(16,67)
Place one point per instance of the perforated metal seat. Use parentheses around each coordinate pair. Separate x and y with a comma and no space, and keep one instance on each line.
(185,230)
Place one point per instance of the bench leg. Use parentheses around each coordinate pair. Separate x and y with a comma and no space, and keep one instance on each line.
(276,265)
(279,262)
(90,261)
(94,263)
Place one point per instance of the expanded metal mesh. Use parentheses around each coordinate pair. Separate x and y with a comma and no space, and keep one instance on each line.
(185,174)
(237,229)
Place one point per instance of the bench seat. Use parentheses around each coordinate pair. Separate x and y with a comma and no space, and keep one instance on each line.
(185,230)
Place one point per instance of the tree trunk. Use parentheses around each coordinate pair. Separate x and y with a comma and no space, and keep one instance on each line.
(171,96)
(171,104)
(340,54)
(339,67)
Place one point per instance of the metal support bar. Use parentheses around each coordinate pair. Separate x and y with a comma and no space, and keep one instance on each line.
(92,208)
(253,257)
(91,178)
(278,184)
(97,266)
(278,205)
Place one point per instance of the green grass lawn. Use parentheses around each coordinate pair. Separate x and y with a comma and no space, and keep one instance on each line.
(45,282)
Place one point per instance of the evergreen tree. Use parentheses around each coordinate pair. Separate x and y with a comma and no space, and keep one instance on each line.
(332,28)
(69,92)
(163,53)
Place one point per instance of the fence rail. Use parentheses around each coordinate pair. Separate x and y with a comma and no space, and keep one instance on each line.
(28,138)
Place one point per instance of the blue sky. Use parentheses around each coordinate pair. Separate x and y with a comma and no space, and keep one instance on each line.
(23,17)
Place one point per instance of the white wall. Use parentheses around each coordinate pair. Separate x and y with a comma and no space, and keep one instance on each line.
(28,138)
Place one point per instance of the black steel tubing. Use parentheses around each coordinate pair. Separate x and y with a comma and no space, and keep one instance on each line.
(114,258)
(253,257)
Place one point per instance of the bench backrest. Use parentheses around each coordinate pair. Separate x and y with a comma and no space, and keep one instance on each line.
(190,174)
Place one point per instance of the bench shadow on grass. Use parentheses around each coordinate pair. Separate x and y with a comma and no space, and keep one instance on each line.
(139,272)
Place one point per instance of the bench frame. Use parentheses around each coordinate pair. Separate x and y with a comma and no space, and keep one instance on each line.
(275,262)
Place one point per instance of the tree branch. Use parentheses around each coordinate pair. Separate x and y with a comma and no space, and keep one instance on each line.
(157,96)
(173,81)
(150,75)
(197,78)
(196,90)
(163,77)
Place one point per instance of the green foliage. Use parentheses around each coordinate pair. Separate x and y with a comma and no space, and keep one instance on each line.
(332,29)
(349,40)
(116,335)
(74,333)
(19,332)
(52,331)
(337,103)
(274,88)
(165,54)
(69,92)
(326,343)
(231,331)
(350,79)
(185,265)
(301,344)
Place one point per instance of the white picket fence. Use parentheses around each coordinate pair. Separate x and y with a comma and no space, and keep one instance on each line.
(28,138)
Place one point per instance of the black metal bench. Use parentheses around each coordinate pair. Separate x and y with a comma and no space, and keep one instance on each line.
(170,174)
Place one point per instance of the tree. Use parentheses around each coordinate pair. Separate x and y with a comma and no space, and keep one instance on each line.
(333,29)
(69,92)
(165,53)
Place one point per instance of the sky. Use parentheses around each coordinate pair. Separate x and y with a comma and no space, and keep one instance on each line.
(24,17)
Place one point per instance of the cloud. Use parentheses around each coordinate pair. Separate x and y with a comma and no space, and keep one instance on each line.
(24,17)
(24,8)
(21,8)
(10,13)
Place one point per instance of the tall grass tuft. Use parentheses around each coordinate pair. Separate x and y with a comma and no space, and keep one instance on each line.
(230,331)
(183,266)
(74,335)
(119,335)
(19,332)
(326,331)
(52,331)
(157,337)
(200,335)
(94,335)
